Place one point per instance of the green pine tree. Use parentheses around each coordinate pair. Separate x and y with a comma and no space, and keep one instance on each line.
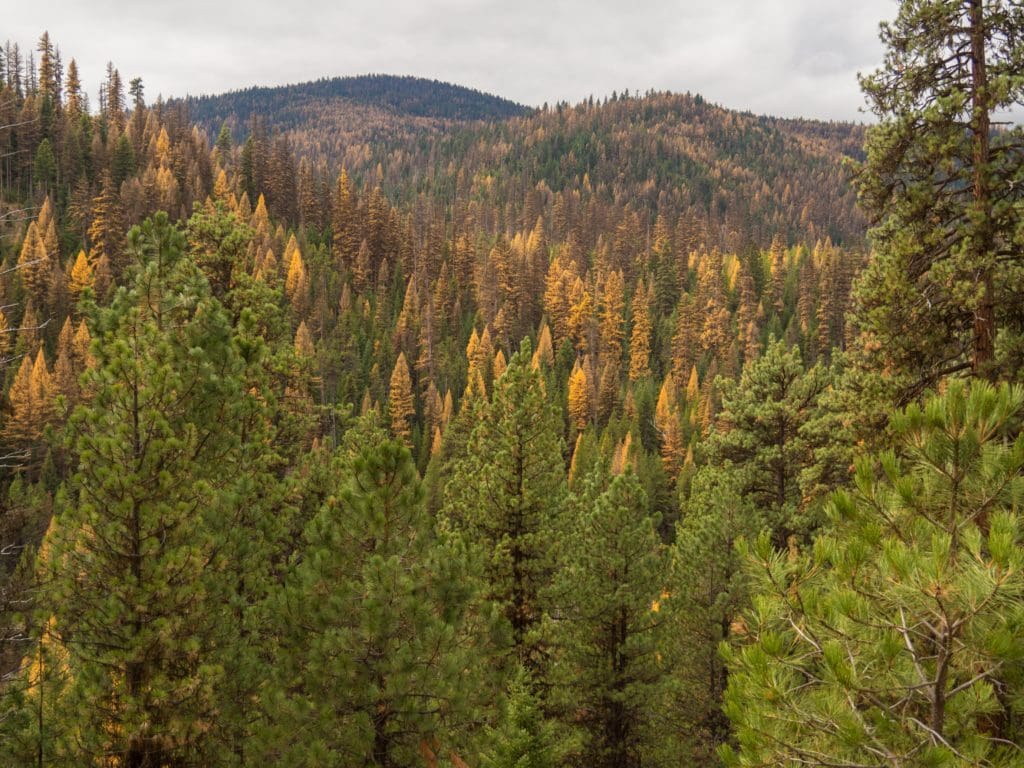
(710,589)
(379,650)
(899,639)
(524,737)
(762,434)
(152,558)
(610,627)
(942,184)
(506,494)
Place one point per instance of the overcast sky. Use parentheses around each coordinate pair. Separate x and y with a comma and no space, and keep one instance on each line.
(780,57)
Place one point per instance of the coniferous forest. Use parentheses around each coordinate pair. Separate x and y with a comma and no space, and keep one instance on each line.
(378,421)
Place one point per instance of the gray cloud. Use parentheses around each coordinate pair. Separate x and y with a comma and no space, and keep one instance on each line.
(781,57)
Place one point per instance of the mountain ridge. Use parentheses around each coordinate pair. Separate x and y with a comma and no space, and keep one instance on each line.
(404,95)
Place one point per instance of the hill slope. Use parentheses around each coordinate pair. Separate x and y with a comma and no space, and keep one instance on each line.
(742,178)
(413,99)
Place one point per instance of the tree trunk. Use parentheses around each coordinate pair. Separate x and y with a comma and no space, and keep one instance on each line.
(982,240)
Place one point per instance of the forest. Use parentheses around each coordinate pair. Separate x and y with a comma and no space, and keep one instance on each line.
(381,422)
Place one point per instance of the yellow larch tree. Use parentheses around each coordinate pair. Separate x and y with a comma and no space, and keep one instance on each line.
(612,308)
(304,346)
(544,354)
(400,401)
(556,292)
(581,311)
(81,276)
(65,377)
(34,264)
(686,337)
(31,401)
(640,339)
(580,396)
(6,336)
(82,343)
(260,221)
(668,423)
(499,365)
(296,284)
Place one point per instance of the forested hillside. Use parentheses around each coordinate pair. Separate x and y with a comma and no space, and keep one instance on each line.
(741,179)
(289,105)
(430,432)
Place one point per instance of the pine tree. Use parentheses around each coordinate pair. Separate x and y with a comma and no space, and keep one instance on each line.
(898,639)
(143,574)
(219,243)
(524,737)
(762,435)
(378,652)
(611,629)
(709,590)
(506,492)
(941,185)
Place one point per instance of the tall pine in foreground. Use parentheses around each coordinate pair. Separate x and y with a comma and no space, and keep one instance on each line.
(506,494)
(610,628)
(941,183)
(899,639)
(710,589)
(766,437)
(142,568)
(379,652)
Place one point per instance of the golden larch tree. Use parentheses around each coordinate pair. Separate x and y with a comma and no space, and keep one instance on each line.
(400,400)
(304,346)
(612,308)
(34,264)
(667,420)
(580,396)
(544,354)
(81,276)
(640,340)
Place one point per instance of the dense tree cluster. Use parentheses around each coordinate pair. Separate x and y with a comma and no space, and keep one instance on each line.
(587,437)
(597,166)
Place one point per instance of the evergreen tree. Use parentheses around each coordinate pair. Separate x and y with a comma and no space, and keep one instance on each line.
(142,574)
(506,493)
(378,652)
(709,590)
(524,737)
(942,185)
(899,640)
(763,434)
(610,626)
